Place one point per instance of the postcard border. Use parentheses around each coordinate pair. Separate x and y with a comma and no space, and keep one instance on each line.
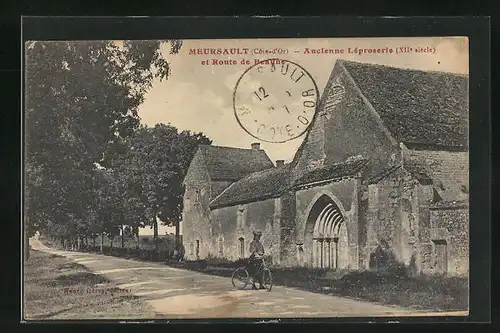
(477,29)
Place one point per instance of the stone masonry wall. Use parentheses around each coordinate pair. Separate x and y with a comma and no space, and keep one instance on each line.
(196,219)
(451,225)
(233,227)
(440,226)
(449,169)
(383,216)
(343,129)
(224,232)
(288,230)
(394,219)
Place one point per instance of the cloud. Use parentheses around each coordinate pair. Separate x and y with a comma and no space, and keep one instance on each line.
(210,97)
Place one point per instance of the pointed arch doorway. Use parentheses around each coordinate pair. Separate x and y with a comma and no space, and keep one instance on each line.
(326,236)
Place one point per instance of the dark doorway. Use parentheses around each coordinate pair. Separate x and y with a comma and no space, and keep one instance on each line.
(441,252)
(326,223)
(336,259)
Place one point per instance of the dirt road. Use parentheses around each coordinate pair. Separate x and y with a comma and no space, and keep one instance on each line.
(177,293)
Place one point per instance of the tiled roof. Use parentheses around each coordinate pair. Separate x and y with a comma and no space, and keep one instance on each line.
(256,186)
(426,108)
(417,170)
(382,174)
(228,163)
(343,169)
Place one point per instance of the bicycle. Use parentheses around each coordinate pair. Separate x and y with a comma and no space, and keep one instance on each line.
(240,277)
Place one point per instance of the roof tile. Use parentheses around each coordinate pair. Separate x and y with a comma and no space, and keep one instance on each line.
(228,163)
(429,108)
(346,168)
(256,186)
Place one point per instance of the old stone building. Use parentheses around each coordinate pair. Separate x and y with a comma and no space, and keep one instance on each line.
(381,177)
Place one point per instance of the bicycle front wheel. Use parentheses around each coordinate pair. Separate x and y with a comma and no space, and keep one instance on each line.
(240,278)
(267,279)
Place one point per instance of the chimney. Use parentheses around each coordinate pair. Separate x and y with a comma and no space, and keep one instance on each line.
(256,146)
(280,163)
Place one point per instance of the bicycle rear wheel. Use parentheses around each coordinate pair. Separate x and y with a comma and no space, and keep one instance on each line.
(267,279)
(240,278)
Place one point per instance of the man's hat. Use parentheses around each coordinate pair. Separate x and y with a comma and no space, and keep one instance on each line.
(257,233)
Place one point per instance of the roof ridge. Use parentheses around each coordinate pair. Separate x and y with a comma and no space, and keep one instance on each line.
(351,160)
(383,173)
(408,69)
(340,164)
(265,170)
(279,172)
(228,147)
(222,192)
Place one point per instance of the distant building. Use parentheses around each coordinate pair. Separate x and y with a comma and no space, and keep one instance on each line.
(381,175)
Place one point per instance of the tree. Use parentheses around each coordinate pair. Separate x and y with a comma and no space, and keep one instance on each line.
(81,101)
(158,158)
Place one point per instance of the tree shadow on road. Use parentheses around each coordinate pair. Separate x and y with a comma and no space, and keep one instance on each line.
(80,278)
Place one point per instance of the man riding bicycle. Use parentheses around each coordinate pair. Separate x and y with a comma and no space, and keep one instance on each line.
(256,260)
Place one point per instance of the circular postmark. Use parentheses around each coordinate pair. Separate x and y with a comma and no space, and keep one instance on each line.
(275,100)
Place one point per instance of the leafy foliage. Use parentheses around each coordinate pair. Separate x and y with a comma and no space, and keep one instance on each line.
(154,166)
(90,168)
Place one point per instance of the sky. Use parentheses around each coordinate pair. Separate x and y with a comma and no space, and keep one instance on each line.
(199,97)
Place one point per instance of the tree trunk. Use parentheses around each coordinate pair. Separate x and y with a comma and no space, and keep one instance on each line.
(111,239)
(93,241)
(155,234)
(177,236)
(102,242)
(79,243)
(26,245)
(123,236)
(137,238)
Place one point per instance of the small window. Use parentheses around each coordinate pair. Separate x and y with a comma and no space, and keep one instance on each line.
(221,246)
(239,216)
(191,248)
(300,254)
(197,249)
(242,247)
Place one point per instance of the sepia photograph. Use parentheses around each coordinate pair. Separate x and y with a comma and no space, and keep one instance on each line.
(246,178)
